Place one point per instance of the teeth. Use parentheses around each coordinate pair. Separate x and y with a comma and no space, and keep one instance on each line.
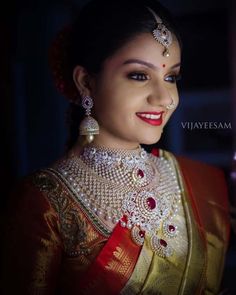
(150,116)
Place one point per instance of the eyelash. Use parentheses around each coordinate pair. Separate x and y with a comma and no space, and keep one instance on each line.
(176,77)
(141,77)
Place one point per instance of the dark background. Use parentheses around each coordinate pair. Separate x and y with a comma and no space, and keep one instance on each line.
(32,114)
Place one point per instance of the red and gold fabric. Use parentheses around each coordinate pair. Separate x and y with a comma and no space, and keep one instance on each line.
(53,246)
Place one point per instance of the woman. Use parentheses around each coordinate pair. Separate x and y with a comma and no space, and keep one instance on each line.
(110,218)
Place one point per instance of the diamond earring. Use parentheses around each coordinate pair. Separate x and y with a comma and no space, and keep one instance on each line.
(89,126)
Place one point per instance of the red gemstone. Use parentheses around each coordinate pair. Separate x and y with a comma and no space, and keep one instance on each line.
(124,218)
(171,228)
(141,233)
(151,203)
(140,173)
(163,243)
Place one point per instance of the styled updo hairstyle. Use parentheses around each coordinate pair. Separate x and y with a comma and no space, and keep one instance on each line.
(99,30)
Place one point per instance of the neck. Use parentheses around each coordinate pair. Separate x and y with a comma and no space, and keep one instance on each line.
(101,140)
(114,148)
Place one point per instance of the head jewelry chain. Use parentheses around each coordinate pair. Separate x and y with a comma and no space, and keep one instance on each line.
(162,34)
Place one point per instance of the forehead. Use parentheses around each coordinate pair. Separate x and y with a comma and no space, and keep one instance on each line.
(145,47)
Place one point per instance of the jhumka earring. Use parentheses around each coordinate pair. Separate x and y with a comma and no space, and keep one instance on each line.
(161,33)
(171,106)
(89,126)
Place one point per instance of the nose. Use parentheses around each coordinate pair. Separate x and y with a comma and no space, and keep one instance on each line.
(160,96)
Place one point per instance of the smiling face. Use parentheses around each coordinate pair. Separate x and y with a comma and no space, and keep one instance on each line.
(132,91)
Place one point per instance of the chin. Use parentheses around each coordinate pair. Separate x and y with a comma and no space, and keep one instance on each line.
(148,140)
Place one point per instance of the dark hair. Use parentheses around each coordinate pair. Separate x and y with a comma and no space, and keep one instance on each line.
(100,29)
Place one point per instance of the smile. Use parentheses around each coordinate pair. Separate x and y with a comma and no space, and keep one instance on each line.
(152,118)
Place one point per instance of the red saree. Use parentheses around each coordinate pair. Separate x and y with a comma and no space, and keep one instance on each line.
(54,246)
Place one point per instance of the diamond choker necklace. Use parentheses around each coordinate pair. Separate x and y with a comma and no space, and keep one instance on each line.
(120,167)
(132,187)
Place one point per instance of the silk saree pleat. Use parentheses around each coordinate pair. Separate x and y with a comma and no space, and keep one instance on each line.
(113,266)
(210,197)
(194,278)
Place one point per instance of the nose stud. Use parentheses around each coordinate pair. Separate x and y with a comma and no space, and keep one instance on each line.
(171,106)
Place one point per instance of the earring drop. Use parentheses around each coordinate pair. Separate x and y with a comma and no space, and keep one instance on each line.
(89,126)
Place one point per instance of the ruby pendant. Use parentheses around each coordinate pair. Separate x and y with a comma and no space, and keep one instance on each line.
(171,228)
(140,173)
(151,203)
(163,243)
(141,233)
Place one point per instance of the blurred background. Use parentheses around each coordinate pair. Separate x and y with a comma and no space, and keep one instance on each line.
(32,113)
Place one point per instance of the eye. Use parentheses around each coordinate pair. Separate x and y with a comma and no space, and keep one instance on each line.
(173,78)
(138,76)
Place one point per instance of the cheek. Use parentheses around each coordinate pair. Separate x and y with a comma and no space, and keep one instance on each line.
(175,96)
(108,108)
(117,100)
(114,110)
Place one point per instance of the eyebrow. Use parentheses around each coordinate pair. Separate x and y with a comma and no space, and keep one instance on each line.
(148,64)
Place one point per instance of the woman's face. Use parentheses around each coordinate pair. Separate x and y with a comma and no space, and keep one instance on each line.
(132,91)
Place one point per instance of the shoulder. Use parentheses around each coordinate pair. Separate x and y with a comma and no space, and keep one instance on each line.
(30,195)
(207,180)
(41,185)
(36,183)
(188,162)
(37,193)
(196,168)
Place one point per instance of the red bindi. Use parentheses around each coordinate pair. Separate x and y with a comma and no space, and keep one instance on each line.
(163,65)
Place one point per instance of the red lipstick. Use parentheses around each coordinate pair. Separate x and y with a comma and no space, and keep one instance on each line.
(152,118)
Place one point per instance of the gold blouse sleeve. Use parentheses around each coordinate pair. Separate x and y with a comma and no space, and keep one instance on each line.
(32,246)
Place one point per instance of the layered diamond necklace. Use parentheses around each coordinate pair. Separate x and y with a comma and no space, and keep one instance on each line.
(132,187)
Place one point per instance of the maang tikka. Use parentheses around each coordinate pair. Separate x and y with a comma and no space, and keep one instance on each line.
(89,126)
(162,34)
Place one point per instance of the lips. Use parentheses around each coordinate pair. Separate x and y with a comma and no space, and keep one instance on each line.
(152,118)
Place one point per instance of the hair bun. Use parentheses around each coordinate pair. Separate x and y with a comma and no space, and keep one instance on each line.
(60,64)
